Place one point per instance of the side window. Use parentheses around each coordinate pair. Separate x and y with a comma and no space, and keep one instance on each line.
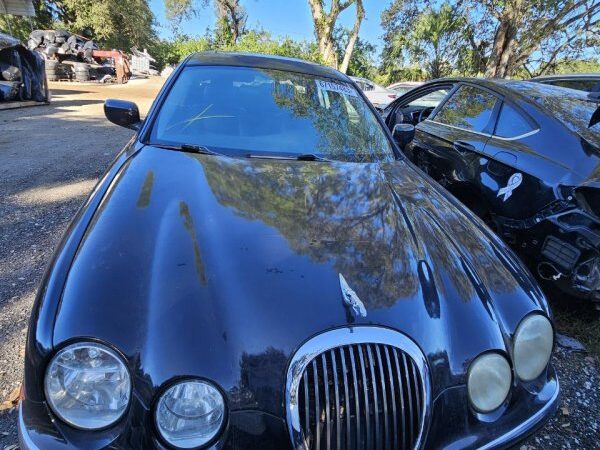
(469,108)
(369,87)
(581,85)
(511,123)
(431,99)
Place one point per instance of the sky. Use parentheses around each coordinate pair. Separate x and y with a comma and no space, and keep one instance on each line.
(291,18)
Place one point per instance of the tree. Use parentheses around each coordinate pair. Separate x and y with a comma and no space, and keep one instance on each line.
(21,27)
(324,24)
(113,23)
(436,40)
(425,36)
(231,16)
(538,32)
(362,63)
(179,10)
(503,38)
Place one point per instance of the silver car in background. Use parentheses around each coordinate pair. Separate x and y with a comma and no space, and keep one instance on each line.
(379,96)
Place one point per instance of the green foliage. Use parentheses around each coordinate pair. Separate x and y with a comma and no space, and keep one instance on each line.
(431,41)
(487,37)
(362,63)
(113,23)
(178,10)
(20,27)
(577,66)
(252,41)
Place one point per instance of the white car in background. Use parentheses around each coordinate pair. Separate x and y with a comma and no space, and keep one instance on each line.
(402,87)
(379,96)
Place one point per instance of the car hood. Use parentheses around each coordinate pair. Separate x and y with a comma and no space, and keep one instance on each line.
(216,267)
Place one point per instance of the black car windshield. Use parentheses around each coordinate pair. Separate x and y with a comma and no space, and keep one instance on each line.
(241,111)
(573,108)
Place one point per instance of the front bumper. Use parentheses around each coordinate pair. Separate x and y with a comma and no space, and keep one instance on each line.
(458,427)
(454,426)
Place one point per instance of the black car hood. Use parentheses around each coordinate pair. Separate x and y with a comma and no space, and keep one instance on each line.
(214,267)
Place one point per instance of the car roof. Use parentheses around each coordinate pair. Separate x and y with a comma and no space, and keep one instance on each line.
(504,87)
(407,83)
(568,76)
(528,91)
(241,59)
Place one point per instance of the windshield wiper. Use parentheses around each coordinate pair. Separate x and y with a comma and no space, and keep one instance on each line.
(301,157)
(311,157)
(191,148)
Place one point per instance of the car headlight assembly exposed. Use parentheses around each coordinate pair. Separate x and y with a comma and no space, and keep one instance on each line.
(488,382)
(532,346)
(190,414)
(88,386)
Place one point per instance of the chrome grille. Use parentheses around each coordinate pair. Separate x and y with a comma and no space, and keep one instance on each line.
(361,396)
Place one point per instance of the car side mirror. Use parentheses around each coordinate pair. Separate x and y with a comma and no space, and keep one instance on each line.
(123,113)
(403,133)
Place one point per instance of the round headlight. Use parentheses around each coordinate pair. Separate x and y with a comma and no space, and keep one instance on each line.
(533,344)
(87,386)
(489,382)
(190,414)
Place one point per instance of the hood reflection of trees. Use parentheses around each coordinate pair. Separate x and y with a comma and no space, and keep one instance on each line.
(345,215)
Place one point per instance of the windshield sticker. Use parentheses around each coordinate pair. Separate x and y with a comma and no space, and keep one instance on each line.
(513,182)
(323,85)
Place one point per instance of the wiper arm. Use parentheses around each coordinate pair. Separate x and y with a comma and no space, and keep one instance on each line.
(311,157)
(191,148)
(301,157)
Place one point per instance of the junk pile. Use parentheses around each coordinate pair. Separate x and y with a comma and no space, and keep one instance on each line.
(22,75)
(72,57)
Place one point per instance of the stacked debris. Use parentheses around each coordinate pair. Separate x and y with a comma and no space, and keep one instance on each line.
(72,57)
(52,44)
(21,72)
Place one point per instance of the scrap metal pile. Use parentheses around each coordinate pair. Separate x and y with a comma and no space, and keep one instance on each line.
(21,72)
(142,64)
(72,57)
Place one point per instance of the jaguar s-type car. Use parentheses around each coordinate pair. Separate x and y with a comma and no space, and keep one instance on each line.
(261,268)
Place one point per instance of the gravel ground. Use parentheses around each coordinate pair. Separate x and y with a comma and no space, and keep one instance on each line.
(50,159)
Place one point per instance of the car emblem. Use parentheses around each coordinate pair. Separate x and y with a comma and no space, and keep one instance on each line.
(351,299)
(513,182)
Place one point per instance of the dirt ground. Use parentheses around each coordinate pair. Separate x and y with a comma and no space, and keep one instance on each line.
(50,159)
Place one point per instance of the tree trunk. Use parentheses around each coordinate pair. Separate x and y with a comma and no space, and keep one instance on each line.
(505,41)
(360,15)
(324,26)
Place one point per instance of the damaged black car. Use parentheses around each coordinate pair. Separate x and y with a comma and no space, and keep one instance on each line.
(261,268)
(523,156)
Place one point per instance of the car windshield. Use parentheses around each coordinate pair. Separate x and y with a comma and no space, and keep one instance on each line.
(241,111)
(573,108)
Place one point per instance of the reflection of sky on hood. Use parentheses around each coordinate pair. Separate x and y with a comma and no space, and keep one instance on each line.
(573,108)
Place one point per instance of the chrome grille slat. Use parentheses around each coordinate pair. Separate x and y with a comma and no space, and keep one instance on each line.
(401,393)
(356,398)
(386,431)
(336,393)
(406,372)
(364,383)
(317,408)
(327,407)
(346,397)
(377,435)
(363,396)
(394,417)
